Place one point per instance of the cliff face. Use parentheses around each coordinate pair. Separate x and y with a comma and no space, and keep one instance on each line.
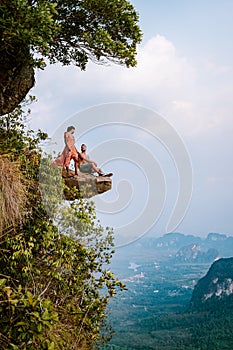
(189,252)
(193,253)
(87,185)
(215,289)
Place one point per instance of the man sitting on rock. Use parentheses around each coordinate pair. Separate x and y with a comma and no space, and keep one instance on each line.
(87,165)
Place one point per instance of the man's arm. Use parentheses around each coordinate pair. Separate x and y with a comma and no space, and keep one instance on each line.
(87,159)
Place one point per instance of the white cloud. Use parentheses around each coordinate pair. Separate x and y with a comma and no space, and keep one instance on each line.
(193,97)
(161,75)
(211,67)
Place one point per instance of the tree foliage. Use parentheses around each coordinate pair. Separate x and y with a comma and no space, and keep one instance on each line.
(66,31)
(54,281)
(71,31)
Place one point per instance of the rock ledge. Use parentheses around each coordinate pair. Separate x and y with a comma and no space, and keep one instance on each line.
(88,185)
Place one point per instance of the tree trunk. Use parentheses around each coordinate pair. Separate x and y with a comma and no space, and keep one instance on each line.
(16,78)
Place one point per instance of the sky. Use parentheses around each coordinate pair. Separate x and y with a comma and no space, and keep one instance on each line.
(174,109)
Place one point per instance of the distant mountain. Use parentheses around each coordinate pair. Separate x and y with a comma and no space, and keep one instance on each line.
(215,289)
(183,248)
(221,242)
(193,253)
(169,242)
(216,237)
(175,241)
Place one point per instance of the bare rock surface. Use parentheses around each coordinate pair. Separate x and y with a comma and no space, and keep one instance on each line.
(88,185)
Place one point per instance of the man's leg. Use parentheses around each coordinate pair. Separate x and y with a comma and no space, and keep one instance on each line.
(76,168)
(96,169)
(100,171)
